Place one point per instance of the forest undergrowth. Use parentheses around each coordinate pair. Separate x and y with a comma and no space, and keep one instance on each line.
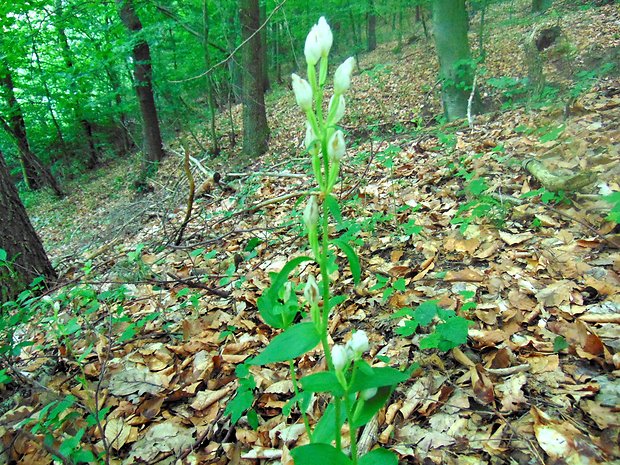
(136,355)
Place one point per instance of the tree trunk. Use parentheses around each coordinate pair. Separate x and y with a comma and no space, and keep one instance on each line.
(25,256)
(215,148)
(255,129)
(371,26)
(456,68)
(36,175)
(153,146)
(76,88)
(263,46)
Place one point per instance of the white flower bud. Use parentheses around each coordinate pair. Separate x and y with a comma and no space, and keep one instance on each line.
(368,393)
(339,357)
(311,291)
(339,109)
(318,42)
(325,35)
(342,76)
(303,92)
(336,146)
(311,213)
(358,343)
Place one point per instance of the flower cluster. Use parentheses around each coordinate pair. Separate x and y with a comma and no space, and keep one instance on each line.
(342,355)
(324,142)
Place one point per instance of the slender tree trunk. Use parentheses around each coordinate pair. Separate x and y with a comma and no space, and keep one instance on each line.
(76,88)
(455,64)
(371,26)
(24,252)
(36,175)
(215,147)
(263,46)
(255,129)
(143,73)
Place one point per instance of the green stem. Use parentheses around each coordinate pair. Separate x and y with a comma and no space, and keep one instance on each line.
(352,431)
(301,409)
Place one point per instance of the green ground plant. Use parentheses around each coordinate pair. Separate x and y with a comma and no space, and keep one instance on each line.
(357,388)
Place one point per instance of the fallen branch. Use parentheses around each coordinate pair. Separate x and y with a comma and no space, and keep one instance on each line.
(554,182)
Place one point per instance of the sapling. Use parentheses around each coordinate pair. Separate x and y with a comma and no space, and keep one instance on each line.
(358,389)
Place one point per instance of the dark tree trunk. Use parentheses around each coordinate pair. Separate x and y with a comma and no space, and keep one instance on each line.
(36,175)
(255,129)
(76,88)
(25,254)
(263,46)
(153,146)
(456,68)
(371,26)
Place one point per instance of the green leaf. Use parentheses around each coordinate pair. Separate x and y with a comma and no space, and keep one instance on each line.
(313,454)
(334,208)
(400,285)
(477,186)
(282,276)
(379,457)
(425,312)
(559,343)
(376,377)
(354,261)
(239,404)
(3,255)
(323,381)
(371,406)
(325,430)
(290,344)
(408,328)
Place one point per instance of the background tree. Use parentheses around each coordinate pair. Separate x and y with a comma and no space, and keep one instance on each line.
(456,67)
(36,175)
(255,128)
(143,71)
(24,250)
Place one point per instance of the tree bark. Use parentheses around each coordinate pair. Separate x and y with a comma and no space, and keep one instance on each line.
(25,254)
(143,73)
(255,128)
(36,175)
(456,68)
(263,46)
(371,26)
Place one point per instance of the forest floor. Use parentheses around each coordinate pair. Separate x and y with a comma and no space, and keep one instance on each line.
(445,213)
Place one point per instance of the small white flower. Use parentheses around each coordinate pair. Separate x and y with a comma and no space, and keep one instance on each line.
(339,357)
(368,393)
(311,213)
(336,147)
(303,92)
(311,291)
(358,343)
(340,108)
(342,76)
